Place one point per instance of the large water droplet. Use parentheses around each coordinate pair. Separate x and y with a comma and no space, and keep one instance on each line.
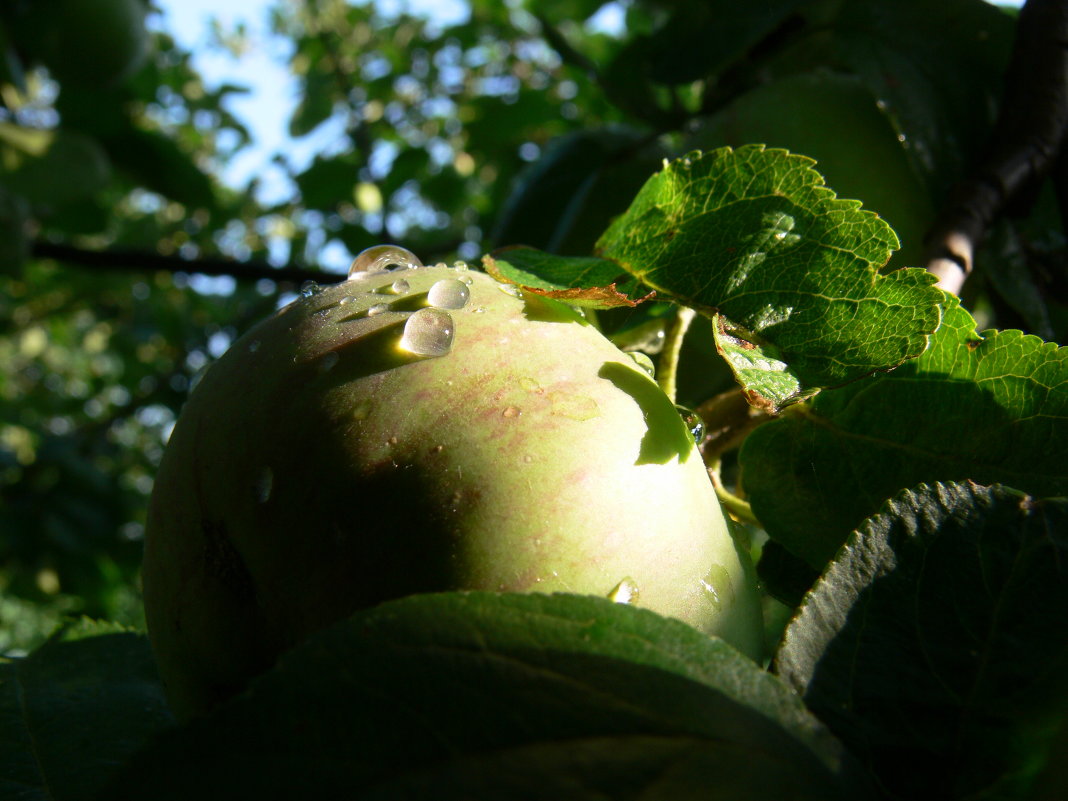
(693,422)
(448,293)
(626,592)
(643,361)
(380,258)
(263,486)
(428,332)
(309,288)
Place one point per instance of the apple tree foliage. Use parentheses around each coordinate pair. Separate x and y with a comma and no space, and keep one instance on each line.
(895,455)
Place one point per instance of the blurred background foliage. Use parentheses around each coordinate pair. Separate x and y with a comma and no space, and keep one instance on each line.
(127,265)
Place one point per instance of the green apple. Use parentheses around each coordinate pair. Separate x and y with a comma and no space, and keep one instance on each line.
(415,431)
(86,43)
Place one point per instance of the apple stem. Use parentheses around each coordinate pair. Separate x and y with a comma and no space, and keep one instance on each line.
(736,506)
(668,367)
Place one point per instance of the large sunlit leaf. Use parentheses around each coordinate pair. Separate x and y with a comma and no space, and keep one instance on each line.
(754,235)
(992,408)
(483,695)
(934,645)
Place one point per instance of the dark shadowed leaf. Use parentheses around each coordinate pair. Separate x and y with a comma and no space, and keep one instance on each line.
(934,645)
(73,711)
(493,696)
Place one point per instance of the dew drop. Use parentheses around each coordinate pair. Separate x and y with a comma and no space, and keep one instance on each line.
(693,422)
(718,586)
(328,362)
(345,301)
(399,287)
(309,288)
(510,411)
(428,332)
(263,486)
(643,361)
(479,310)
(378,308)
(528,459)
(460,265)
(441,265)
(626,592)
(253,346)
(510,289)
(381,258)
(449,293)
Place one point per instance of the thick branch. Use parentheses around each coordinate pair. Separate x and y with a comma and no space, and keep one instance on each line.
(1023,147)
(148,261)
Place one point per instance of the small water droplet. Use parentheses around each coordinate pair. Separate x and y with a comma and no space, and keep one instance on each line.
(345,301)
(460,265)
(328,362)
(467,279)
(448,293)
(253,346)
(263,486)
(510,411)
(693,422)
(718,586)
(643,361)
(378,308)
(399,287)
(479,310)
(510,289)
(428,332)
(528,458)
(626,592)
(437,449)
(381,258)
(441,265)
(392,440)
(309,288)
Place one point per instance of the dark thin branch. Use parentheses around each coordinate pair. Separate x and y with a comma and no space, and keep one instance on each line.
(1023,147)
(147,261)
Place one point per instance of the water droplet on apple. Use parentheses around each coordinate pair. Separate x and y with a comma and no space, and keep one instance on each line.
(383,258)
(309,288)
(448,293)
(643,361)
(399,287)
(378,308)
(693,422)
(626,592)
(263,486)
(718,586)
(510,411)
(428,332)
(253,346)
(328,362)
(460,265)
(510,289)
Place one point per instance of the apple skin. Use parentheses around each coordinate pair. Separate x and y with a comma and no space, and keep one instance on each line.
(318,469)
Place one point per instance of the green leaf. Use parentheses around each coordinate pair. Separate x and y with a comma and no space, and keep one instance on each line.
(935,641)
(993,409)
(76,709)
(578,280)
(481,695)
(754,235)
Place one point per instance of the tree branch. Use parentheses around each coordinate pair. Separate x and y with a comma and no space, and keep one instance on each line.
(1023,147)
(147,261)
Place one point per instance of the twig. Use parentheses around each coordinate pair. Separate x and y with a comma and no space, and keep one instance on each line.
(667,368)
(1023,146)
